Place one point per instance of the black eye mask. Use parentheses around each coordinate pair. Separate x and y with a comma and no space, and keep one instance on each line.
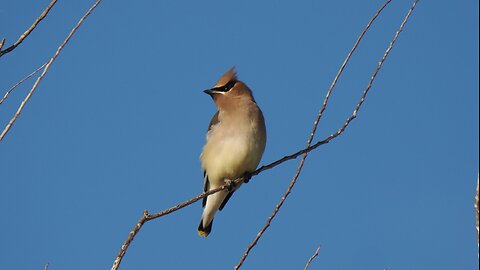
(226,87)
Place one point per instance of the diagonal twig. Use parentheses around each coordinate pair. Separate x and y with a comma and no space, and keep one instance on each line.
(476,212)
(351,118)
(29,30)
(329,92)
(47,66)
(146,217)
(20,82)
(311,258)
(312,134)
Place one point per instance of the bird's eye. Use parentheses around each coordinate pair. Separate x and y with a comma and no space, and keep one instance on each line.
(227,86)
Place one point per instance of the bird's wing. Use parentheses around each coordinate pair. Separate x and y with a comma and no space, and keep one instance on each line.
(206,187)
(229,195)
(213,122)
(206,183)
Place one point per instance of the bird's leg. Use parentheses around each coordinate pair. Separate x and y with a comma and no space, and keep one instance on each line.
(230,184)
(247,176)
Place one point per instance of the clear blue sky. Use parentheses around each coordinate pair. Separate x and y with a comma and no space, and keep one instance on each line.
(119,122)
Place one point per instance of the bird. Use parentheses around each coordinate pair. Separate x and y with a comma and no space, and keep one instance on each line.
(235,142)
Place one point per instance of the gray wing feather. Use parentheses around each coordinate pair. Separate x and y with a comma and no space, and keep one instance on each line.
(213,122)
(206,183)
(206,187)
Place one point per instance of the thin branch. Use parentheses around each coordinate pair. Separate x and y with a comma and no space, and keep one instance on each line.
(1,43)
(20,82)
(147,217)
(353,116)
(327,96)
(29,30)
(129,240)
(476,211)
(312,134)
(311,258)
(47,66)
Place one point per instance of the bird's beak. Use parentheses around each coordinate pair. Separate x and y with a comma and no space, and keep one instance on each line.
(213,91)
(208,92)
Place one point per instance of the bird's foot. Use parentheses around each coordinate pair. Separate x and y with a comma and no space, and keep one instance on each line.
(230,184)
(246,177)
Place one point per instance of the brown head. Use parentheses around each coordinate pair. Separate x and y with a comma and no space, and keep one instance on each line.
(229,91)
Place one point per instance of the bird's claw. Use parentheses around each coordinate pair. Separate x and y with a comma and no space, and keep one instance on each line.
(230,184)
(247,177)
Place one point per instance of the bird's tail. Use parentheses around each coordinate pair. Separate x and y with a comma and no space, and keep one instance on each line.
(204,231)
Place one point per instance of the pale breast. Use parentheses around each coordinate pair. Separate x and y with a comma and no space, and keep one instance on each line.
(230,152)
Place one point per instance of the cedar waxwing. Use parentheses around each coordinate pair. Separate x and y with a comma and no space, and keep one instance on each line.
(236,140)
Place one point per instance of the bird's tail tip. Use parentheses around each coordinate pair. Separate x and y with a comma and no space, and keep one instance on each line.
(204,231)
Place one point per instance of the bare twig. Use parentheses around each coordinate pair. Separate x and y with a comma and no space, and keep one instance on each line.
(327,96)
(47,66)
(311,258)
(29,30)
(20,82)
(353,116)
(129,240)
(147,217)
(476,210)
(312,134)
(1,43)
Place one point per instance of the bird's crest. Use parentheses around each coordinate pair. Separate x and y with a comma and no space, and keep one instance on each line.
(228,76)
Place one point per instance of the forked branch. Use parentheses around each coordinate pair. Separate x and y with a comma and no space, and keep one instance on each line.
(339,131)
(29,30)
(47,66)
(20,82)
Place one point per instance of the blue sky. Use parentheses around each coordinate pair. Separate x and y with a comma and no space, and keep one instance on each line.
(118,124)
